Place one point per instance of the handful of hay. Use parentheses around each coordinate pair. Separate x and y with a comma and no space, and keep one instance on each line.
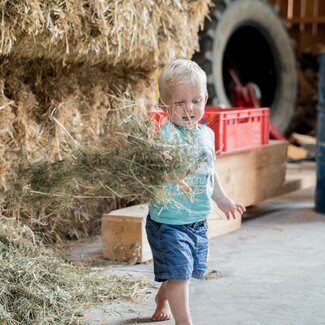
(37,287)
(133,165)
(130,163)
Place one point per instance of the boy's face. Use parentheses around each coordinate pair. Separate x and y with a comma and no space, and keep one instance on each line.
(185,104)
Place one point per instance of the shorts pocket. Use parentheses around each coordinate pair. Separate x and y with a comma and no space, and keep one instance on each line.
(172,237)
(155,227)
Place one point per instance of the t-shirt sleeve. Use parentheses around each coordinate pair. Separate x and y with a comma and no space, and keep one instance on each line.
(211,141)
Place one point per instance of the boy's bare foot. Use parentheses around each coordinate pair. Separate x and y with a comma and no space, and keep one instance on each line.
(162,311)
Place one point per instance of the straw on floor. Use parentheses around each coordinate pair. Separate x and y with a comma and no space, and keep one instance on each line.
(38,287)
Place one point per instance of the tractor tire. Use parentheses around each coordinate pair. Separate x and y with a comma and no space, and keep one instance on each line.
(249,37)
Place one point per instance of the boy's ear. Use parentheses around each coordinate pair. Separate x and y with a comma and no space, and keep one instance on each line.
(206,98)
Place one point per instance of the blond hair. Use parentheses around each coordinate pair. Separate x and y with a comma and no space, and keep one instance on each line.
(180,72)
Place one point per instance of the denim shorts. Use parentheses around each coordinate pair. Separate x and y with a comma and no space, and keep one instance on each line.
(179,252)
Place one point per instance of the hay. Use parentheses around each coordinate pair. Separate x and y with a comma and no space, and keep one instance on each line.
(131,165)
(138,34)
(37,287)
(80,97)
(132,162)
(68,63)
(78,102)
(8,145)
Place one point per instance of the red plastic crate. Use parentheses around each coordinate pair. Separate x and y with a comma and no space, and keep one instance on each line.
(158,118)
(237,129)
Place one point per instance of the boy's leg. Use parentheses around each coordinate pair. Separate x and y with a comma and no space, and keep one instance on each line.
(177,294)
(162,311)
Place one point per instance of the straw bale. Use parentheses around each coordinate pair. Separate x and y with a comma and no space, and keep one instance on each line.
(79,96)
(138,34)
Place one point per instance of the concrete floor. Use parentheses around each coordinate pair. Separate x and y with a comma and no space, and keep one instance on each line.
(270,272)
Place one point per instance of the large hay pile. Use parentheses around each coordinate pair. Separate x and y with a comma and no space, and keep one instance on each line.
(65,66)
(37,287)
(39,100)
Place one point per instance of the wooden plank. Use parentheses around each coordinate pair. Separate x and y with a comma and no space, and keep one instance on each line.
(260,172)
(303,175)
(290,11)
(302,14)
(295,152)
(307,20)
(123,237)
(315,17)
(255,186)
(274,152)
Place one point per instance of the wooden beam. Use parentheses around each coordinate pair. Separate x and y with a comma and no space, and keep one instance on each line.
(307,20)
(252,170)
(123,235)
(290,11)
(315,17)
(302,15)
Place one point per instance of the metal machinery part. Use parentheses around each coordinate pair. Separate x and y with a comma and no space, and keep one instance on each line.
(249,37)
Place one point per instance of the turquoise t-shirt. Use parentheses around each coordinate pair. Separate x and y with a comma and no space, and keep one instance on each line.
(180,210)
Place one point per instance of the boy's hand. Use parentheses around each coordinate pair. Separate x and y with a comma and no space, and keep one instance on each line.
(229,207)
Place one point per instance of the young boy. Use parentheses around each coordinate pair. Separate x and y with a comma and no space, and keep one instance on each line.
(177,231)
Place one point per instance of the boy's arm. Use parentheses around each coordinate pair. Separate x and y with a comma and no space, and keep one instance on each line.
(225,204)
